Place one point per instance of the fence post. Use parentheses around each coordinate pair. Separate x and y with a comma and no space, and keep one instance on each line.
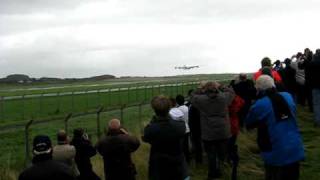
(23,99)
(99,98)
(128,96)
(152,91)
(98,121)
(119,96)
(145,93)
(159,89)
(1,107)
(136,99)
(108,93)
(72,101)
(140,116)
(27,144)
(182,93)
(40,104)
(121,113)
(177,89)
(66,119)
(87,100)
(58,99)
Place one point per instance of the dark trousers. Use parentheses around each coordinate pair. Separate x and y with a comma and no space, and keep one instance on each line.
(233,156)
(86,172)
(309,98)
(287,172)
(242,114)
(216,152)
(304,94)
(197,147)
(301,94)
(186,150)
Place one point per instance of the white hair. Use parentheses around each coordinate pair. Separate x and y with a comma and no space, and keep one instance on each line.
(114,124)
(265,82)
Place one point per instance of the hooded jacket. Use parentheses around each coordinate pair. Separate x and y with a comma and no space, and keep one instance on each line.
(214,116)
(279,139)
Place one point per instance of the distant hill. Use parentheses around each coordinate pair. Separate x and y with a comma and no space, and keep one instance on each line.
(102,77)
(22,78)
(16,78)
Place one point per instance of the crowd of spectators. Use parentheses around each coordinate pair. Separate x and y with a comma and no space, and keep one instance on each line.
(204,124)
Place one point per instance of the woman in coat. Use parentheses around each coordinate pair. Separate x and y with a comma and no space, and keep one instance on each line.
(167,161)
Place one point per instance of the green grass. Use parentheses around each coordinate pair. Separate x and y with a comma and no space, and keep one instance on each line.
(251,166)
(21,110)
(5,89)
(42,107)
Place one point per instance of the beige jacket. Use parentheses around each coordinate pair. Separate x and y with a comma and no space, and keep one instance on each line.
(65,153)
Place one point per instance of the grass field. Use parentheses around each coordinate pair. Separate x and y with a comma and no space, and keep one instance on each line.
(251,166)
(40,88)
(87,96)
(12,149)
(20,110)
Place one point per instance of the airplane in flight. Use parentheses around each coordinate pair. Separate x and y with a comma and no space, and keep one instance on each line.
(186,67)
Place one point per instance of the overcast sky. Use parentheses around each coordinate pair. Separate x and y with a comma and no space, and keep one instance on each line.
(80,38)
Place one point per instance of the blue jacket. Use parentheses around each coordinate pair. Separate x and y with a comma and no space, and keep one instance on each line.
(280,141)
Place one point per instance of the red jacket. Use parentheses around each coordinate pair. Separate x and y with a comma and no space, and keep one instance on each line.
(234,108)
(275,74)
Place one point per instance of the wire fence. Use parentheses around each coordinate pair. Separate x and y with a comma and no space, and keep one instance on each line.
(33,106)
(127,104)
(66,123)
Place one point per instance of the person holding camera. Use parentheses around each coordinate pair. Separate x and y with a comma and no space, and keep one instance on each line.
(64,152)
(116,148)
(315,86)
(266,64)
(84,151)
(278,137)
(215,125)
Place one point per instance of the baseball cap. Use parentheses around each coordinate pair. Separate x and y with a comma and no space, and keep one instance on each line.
(41,145)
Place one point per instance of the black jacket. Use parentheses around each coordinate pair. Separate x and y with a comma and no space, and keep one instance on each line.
(194,121)
(44,168)
(84,151)
(246,90)
(288,75)
(314,70)
(116,149)
(167,161)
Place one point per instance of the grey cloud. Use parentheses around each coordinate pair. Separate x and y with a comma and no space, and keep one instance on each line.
(32,6)
(67,57)
(54,55)
(140,11)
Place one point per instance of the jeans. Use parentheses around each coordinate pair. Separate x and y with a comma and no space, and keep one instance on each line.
(216,152)
(316,105)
